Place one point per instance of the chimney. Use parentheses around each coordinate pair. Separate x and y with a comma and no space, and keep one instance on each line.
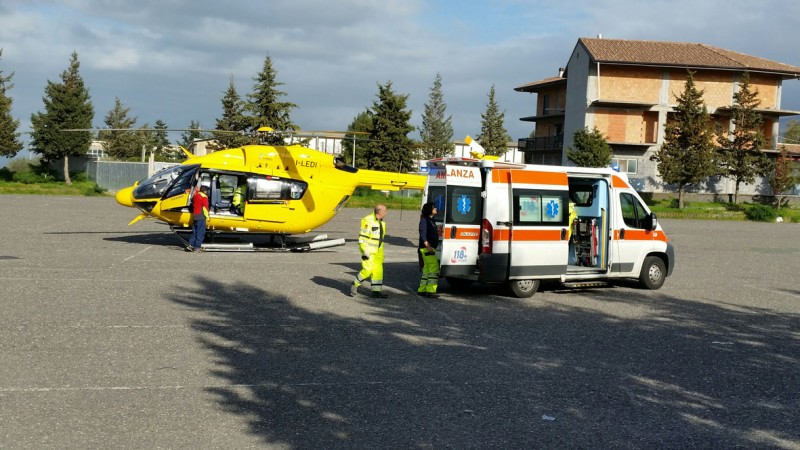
(561,72)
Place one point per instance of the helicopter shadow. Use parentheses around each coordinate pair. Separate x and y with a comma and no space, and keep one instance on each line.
(147,239)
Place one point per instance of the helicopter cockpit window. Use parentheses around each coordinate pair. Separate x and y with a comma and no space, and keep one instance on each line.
(156,185)
(272,188)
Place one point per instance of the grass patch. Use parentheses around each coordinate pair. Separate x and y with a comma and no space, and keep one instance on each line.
(86,188)
(367,198)
(668,208)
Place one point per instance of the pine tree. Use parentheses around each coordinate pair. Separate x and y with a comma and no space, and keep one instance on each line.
(67,106)
(437,131)
(591,149)
(233,120)
(390,148)
(194,133)
(122,142)
(359,131)
(265,107)
(740,155)
(161,145)
(494,137)
(9,137)
(687,155)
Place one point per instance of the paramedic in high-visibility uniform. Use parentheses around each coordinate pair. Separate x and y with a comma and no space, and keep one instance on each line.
(428,240)
(371,242)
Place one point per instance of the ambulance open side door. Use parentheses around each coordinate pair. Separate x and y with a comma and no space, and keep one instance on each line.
(537,229)
(456,192)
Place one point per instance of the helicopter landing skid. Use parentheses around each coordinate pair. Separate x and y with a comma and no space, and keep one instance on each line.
(222,241)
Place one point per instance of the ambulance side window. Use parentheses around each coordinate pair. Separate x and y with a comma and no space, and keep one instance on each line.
(464,205)
(633,213)
(539,207)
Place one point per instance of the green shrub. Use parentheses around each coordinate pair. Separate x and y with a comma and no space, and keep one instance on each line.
(761,213)
(29,177)
(80,177)
(19,165)
(94,190)
(6,174)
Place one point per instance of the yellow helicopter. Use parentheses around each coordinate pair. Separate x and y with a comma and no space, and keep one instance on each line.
(288,191)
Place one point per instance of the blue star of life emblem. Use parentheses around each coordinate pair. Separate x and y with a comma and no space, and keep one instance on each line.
(552,209)
(464,204)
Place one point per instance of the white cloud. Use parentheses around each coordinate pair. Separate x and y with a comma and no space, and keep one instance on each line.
(172,59)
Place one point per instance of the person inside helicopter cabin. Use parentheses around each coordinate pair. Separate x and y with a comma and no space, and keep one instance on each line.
(239,197)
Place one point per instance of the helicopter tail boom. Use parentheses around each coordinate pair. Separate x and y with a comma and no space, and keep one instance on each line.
(390,181)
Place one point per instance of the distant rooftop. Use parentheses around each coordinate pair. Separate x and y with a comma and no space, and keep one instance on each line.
(679,54)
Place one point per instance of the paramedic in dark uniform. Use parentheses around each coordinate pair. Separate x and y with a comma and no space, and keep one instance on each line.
(428,240)
(370,243)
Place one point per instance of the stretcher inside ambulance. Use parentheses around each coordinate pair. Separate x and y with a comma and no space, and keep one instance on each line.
(519,224)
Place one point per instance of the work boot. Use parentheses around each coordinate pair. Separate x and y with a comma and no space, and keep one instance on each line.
(376,294)
(353,290)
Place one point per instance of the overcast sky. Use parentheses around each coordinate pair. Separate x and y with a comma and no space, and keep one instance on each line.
(172,59)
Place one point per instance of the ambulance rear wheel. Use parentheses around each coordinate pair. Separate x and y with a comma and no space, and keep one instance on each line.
(523,288)
(654,271)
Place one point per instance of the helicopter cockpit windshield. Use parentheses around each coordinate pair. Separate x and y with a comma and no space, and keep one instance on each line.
(157,185)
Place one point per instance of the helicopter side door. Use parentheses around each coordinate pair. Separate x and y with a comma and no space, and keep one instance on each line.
(179,193)
(269,200)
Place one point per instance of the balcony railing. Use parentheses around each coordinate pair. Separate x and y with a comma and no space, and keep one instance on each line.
(541,143)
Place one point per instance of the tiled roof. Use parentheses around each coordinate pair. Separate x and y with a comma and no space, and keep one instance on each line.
(681,54)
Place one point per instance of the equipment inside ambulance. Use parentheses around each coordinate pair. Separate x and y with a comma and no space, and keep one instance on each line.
(512,224)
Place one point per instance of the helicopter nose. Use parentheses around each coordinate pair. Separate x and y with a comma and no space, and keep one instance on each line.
(125,197)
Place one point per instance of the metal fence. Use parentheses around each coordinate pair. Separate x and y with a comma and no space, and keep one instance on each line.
(115,175)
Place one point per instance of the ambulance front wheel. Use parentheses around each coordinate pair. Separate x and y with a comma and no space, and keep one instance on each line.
(523,288)
(654,271)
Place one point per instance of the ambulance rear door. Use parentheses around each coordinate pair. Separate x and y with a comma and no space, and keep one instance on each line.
(456,192)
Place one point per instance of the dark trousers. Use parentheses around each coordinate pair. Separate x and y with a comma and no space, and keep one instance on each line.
(198,233)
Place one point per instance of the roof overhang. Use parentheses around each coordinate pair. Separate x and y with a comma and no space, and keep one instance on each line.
(622,104)
(537,86)
(726,110)
(542,117)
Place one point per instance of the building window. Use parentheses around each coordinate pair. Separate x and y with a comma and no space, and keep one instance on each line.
(629,166)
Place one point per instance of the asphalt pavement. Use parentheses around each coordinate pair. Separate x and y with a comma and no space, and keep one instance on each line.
(114,337)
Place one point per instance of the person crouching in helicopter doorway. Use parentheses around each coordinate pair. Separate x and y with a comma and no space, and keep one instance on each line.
(370,242)
(428,240)
(199,216)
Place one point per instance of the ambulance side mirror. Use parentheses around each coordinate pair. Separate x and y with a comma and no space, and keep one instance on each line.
(651,222)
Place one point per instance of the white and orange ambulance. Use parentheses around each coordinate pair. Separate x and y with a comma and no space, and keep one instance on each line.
(512,224)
